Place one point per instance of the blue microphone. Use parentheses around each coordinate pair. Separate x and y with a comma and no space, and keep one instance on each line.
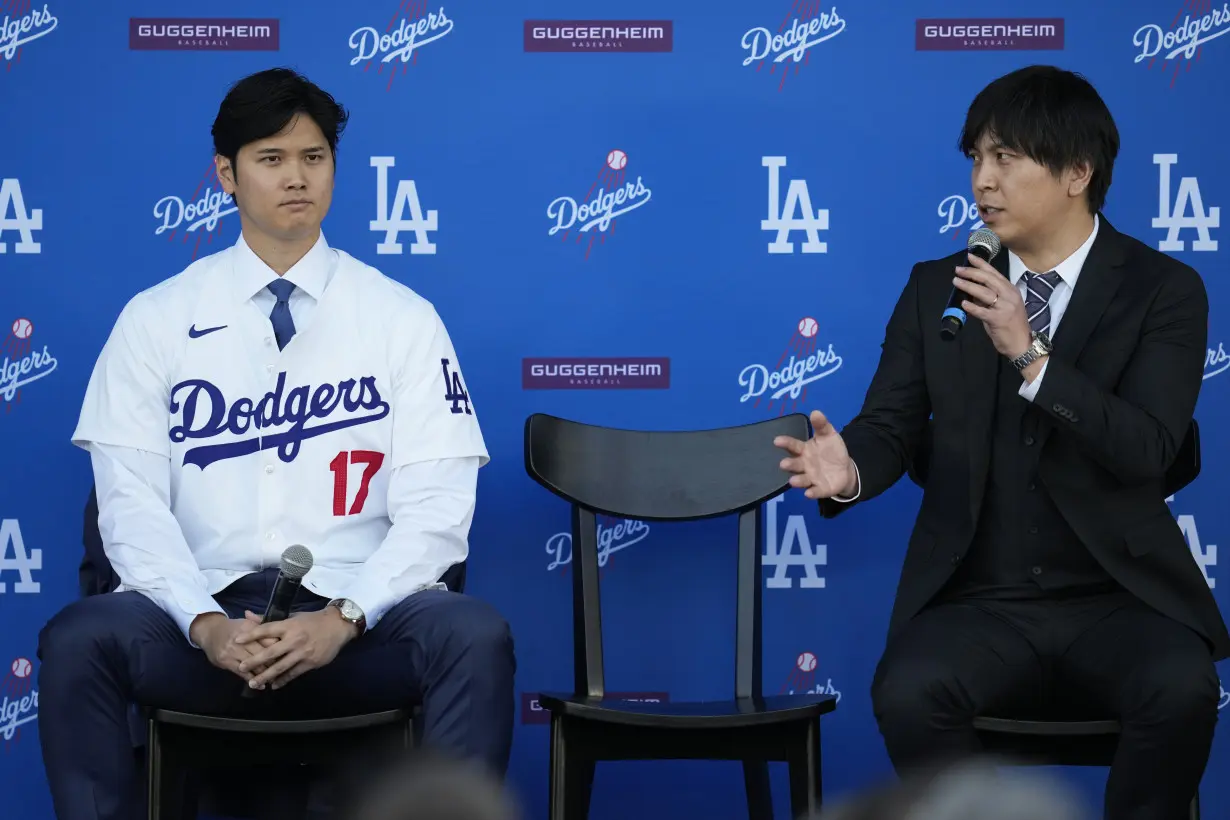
(984,244)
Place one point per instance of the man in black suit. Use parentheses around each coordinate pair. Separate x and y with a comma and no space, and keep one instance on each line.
(1044,570)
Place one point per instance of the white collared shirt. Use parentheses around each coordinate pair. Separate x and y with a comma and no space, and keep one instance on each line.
(213,451)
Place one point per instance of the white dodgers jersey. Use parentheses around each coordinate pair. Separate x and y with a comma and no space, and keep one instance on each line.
(269,447)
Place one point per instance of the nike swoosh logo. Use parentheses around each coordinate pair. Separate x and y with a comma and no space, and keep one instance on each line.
(193,333)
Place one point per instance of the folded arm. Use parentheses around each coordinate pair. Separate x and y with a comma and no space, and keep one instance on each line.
(1136,430)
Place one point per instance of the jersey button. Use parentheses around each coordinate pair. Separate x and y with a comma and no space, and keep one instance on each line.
(270,536)
(268,468)
(268,340)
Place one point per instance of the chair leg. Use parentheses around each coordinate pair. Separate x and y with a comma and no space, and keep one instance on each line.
(805,782)
(759,795)
(571,777)
(1193,812)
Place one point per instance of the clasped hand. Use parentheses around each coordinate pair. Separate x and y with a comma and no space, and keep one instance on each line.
(274,654)
(997,303)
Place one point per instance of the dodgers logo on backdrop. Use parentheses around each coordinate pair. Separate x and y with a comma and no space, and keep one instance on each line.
(392,223)
(15,32)
(397,43)
(207,414)
(24,221)
(22,362)
(1181,42)
(956,211)
(791,44)
(1185,210)
(1216,361)
(14,557)
(790,546)
(801,362)
(795,215)
(199,216)
(18,699)
(613,536)
(600,206)
(802,678)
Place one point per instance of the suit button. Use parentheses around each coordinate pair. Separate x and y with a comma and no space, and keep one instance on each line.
(1029,441)
(1032,487)
(1059,408)
(1036,570)
(1033,530)
(956,559)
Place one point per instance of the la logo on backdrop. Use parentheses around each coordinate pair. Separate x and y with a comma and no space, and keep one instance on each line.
(611,194)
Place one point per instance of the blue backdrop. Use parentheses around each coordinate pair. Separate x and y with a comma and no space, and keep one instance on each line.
(766,215)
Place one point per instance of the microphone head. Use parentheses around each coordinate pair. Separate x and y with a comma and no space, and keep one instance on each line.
(983,241)
(296,561)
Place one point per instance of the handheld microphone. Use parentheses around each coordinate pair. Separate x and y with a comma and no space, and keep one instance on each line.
(984,244)
(296,561)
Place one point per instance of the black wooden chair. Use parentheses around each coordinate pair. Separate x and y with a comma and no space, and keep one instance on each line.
(671,476)
(185,753)
(1071,741)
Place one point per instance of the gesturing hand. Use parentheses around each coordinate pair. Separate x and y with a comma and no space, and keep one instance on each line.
(300,644)
(821,465)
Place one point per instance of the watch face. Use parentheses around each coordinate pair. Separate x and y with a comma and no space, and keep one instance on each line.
(351,610)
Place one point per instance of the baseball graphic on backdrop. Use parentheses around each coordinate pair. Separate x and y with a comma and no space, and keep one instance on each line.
(806,662)
(22,668)
(616,160)
(808,327)
(22,328)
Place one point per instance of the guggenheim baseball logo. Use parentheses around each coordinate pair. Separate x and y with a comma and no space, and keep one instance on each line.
(202,34)
(989,34)
(532,711)
(599,35)
(596,373)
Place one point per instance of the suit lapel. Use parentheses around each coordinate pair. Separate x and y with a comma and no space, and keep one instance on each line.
(1099,281)
(980,372)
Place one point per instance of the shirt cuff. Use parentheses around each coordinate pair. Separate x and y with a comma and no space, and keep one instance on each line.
(197,604)
(1028,390)
(858,488)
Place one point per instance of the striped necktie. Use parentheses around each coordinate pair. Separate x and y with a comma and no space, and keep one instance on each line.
(1039,287)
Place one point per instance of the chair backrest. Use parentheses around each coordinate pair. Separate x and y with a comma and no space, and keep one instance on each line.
(95,576)
(1183,470)
(671,475)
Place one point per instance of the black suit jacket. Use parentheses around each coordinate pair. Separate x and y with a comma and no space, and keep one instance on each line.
(1116,402)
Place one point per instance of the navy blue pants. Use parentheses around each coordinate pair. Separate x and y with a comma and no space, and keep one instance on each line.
(451,652)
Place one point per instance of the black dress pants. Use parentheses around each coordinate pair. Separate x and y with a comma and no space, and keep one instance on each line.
(1104,656)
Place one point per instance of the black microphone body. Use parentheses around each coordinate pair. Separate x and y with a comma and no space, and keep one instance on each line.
(985,245)
(296,561)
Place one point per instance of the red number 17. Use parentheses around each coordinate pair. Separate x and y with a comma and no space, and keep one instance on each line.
(340,467)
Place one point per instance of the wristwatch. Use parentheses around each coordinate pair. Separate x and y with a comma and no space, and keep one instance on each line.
(1039,347)
(350,612)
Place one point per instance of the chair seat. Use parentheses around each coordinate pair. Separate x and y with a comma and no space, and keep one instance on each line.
(1049,728)
(720,714)
(348,723)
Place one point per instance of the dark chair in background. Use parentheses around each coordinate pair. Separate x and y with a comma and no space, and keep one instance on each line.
(671,476)
(1067,739)
(186,756)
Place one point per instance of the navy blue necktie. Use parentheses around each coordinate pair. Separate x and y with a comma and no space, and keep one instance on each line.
(1039,287)
(283,324)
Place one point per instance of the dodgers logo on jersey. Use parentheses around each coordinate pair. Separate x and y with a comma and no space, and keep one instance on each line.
(207,414)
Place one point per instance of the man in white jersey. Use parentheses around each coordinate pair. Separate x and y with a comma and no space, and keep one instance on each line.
(275,393)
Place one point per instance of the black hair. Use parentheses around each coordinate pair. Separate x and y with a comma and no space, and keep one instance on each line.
(262,104)
(1054,117)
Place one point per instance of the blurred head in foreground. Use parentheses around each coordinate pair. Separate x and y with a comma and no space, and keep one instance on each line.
(972,791)
(428,787)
